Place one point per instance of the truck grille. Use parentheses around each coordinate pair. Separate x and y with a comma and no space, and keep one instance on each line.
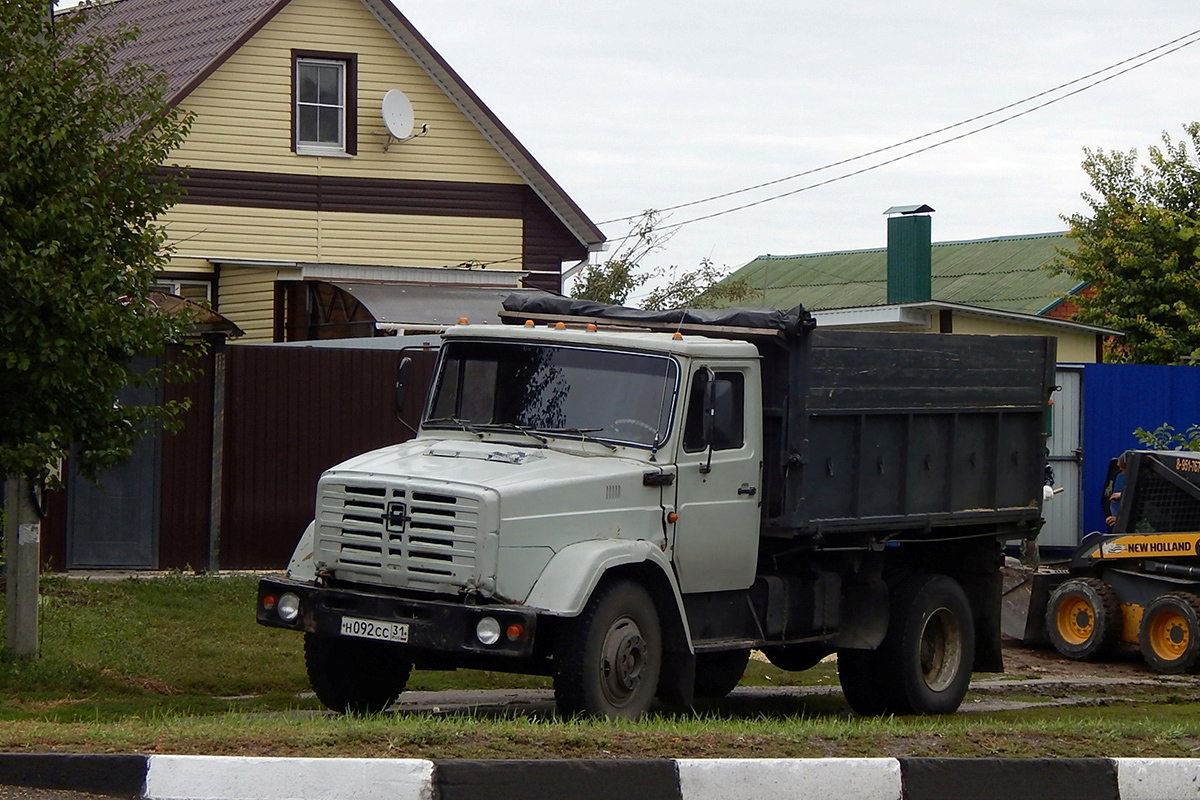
(398,536)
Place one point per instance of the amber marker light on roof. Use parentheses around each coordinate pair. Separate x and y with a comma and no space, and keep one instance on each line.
(462,320)
(677,335)
(528,323)
(591,326)
(561,326)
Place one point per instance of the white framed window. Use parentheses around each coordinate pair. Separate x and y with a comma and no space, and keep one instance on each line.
(323,113)
(199,291)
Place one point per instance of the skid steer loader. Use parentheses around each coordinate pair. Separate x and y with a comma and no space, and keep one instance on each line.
(1139,583)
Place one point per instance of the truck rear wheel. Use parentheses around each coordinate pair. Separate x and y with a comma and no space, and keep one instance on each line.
(1083,619)
(608,659)
(354,676)
(923,665)
(718,674)
(925,661)
(1169,635)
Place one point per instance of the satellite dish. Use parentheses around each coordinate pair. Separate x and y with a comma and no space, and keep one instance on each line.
(398,115)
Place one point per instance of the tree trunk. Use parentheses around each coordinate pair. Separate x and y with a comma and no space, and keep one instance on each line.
(22,537)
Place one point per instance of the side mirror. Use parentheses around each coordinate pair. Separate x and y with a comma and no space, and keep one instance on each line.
(719,414)
(403,376)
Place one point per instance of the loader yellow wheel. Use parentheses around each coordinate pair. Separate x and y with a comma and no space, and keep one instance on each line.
(1169,636)
(1083,619)
(1076,620)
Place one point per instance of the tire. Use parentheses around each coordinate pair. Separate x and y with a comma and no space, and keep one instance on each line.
(925,661)
(354,676)
(1083,619)
(796,657)
(718,674)
(607,660)
(1169,635)
(858,672)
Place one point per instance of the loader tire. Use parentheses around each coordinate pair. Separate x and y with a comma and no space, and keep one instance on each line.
(1083,619)
(1169,635)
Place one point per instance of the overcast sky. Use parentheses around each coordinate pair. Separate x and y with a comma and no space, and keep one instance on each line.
(648,104)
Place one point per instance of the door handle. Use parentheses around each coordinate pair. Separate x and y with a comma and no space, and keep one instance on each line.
(748,490)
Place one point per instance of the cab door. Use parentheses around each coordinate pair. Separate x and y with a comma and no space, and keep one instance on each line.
(715,542)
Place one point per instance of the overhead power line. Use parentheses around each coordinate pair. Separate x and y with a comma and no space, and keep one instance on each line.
(1154,54)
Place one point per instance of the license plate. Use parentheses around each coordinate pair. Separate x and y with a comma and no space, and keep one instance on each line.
(371,629)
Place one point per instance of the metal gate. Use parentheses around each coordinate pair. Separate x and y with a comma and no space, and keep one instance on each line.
(1064,513)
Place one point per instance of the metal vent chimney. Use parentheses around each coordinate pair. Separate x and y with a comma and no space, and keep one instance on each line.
(909,259)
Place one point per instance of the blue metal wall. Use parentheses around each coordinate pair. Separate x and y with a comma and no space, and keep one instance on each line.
(1117,398)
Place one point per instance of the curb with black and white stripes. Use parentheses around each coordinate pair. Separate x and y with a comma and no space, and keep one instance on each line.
(225,778)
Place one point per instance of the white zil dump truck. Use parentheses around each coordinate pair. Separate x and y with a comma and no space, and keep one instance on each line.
(632,502)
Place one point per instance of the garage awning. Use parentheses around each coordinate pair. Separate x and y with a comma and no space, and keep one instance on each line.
(409,305)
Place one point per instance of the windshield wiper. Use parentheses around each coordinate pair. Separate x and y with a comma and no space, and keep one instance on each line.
(510,426)
(465,425)
(582,433)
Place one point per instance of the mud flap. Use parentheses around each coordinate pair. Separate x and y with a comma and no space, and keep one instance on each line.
(864,617)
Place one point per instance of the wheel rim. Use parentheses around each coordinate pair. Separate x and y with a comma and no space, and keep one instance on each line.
(622,661)
(1169,634)
(941,649)
(1076,619)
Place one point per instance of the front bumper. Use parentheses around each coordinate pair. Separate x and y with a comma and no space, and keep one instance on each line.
(434,627)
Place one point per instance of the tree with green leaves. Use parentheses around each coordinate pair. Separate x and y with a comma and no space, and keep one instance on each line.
(1139,250)
(613,281)
(82,137)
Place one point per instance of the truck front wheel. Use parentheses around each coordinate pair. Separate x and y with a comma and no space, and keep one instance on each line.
(608,659)
(354,676)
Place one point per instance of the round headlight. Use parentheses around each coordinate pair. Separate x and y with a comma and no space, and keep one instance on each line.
(288,607)
(488,631)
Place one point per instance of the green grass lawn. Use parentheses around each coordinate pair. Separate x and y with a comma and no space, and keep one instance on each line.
(178,664)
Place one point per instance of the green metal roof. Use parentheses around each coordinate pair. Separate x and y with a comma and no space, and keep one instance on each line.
(1006,273)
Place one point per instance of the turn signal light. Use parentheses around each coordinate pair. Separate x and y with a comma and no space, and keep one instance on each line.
(268,602)
(515,631)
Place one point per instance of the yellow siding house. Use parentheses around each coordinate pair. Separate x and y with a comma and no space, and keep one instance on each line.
(303,217)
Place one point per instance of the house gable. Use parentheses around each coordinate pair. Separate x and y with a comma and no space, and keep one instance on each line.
(262,205)
(244,109)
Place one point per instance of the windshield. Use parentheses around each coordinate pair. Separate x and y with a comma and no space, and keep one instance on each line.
(574,391)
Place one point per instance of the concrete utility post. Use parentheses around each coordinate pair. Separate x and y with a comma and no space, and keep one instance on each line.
(22,539)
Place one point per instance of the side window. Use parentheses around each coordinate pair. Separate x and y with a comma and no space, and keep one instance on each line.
(693,427)
(324,118)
